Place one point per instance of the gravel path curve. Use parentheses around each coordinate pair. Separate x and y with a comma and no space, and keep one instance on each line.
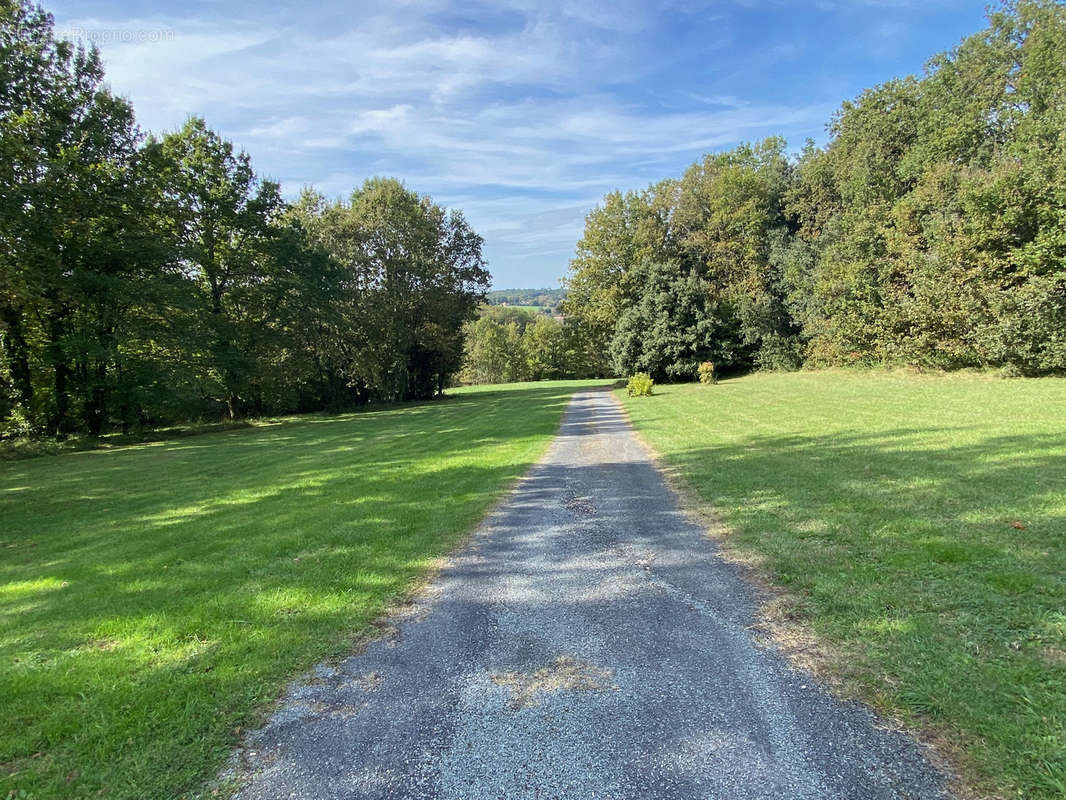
(586,643)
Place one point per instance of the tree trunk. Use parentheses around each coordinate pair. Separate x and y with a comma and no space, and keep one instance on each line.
(96,402)
(60,422)
(60,374)
(18,360)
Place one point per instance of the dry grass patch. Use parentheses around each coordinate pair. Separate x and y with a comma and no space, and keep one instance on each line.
(565,674)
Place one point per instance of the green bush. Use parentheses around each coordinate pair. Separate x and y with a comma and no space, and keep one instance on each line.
(640,385)
(707,373)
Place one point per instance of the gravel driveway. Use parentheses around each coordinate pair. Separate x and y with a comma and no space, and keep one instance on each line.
(587,642)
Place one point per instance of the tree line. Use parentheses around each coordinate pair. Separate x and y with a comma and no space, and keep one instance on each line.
(146,280)
(545,298)
(506,344)
(929,231)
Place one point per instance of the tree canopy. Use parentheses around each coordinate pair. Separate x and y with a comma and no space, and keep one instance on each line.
(149,280)
(930,230)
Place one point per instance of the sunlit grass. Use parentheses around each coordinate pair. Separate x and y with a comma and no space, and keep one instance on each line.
(922,519)
(156,597)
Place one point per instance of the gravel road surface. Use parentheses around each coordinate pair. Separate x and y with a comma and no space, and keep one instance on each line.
(586,643)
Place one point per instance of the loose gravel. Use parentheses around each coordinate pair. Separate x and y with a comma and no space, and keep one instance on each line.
(587,643)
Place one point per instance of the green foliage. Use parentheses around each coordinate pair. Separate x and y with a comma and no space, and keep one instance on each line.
(928,232)
(494,352)
(414,274)
(684,272)
(521,316)
(917,519)
(707,372)
(618,234)
(640,385)
(545,345)
(148,282)
(73,223)
(676,323)
(529,298)
(1029,333)
(508,344)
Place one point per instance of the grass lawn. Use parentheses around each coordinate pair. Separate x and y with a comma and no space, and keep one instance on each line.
(921,520)
(154,598)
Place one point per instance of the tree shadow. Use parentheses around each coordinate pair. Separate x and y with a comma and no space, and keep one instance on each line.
(938,566)
(178,584)
(594,562)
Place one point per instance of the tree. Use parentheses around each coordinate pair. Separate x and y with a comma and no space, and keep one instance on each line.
(222,220)
(677,324)
(547,354)
(620,233)
(929,230)
(728,218)
(413,274)
(69,225)
(493,353)
(701,247)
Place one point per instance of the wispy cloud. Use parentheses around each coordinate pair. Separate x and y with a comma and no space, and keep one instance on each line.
(522,112)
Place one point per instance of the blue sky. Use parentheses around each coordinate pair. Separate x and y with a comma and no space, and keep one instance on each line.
(521,113)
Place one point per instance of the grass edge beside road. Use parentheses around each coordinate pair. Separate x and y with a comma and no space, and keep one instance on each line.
(784,618)
(314,496)
(781,625)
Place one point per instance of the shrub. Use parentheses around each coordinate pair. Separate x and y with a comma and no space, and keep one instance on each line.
(707,372)
(640,385)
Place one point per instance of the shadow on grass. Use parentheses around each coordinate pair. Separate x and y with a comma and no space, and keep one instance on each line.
(152,596)
(590,559)
(940,568)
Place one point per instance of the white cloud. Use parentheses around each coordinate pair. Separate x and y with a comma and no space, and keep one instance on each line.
(522,112)
(382,121)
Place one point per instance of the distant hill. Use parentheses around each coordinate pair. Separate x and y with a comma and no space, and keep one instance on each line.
(541,298)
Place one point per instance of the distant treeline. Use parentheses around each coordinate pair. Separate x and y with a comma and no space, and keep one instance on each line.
(151,280)
(506,344)
(546,298)
(930,230)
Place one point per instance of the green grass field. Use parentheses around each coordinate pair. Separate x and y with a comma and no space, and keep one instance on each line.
(156,597)
(921,520)
(530,309)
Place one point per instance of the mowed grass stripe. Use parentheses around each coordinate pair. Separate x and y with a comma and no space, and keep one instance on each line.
(922,520)
(155,598)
